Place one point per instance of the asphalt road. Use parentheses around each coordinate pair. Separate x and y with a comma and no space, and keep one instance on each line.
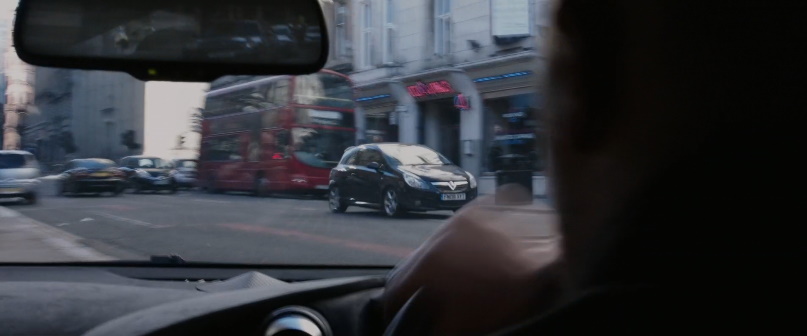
(234,228)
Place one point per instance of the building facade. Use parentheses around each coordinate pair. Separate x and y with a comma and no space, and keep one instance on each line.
(85,114)
(460,76)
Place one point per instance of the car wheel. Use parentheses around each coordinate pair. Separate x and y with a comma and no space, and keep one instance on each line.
(392,205)
(261,188)
(62,190)
(31,199)
(335,201)
(173,189)
(137,188)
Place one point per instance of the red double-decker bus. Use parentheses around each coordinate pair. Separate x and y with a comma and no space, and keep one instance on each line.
(276,134)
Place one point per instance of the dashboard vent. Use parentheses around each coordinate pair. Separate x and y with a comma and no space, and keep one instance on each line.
(296,320)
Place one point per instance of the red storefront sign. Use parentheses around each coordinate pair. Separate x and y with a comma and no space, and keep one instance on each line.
(429,89)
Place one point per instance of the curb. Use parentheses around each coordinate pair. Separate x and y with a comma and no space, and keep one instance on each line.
(32,241)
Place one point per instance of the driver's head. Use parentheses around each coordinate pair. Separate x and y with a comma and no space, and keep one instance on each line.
(676,134)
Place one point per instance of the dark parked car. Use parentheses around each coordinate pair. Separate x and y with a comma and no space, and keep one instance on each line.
(399,178)
(149,173)
(186,172)
(91,176)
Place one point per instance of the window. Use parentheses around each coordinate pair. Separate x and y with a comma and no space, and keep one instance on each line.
(350,157)
(366,56)
(389,31)
(515,132)
(280,92)
(368,155)
(442,27)
(226,148)
(340,38)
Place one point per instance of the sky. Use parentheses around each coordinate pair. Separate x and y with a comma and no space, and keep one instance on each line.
(168,109)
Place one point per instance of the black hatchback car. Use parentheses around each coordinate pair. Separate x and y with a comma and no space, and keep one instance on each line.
(149,173)
(399,178)
(91,176)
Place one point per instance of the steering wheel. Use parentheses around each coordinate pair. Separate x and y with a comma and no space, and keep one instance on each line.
(410,319)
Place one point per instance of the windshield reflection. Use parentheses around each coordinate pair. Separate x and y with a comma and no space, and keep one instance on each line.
(407,155)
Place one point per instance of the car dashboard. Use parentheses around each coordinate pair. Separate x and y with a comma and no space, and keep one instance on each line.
(129,300)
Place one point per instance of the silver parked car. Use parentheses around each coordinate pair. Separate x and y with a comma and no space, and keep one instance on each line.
(19,175)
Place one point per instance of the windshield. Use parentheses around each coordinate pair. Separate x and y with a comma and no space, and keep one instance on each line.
(448,91)
(413,155)
(146,163)
(323,89)
(319,147)
(94,164)
(12,161)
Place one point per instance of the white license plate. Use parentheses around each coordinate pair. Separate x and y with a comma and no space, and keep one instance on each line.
(452,197)
(321,187)
(161,182)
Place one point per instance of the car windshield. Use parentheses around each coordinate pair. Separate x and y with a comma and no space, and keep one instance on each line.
(413,155)
(240,169)
(146,163)
(10,161)
(94,164)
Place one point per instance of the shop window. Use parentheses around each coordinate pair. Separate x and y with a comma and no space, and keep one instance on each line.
(515,133)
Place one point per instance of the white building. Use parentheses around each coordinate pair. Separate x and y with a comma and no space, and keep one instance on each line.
(460,76)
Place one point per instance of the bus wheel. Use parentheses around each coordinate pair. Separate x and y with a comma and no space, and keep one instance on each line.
(261,188)
(211,186)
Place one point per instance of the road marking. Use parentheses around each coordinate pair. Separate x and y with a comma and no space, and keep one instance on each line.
(75,250)
(209,201)
(5,213)
(132,221)
(396,251)
(86,220)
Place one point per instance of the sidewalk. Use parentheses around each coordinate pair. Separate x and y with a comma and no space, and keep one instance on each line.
(25,240)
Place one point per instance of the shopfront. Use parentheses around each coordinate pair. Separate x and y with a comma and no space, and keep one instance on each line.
(514,119)
(380,115)
(440,121)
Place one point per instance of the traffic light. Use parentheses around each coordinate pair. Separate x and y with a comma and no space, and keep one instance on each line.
(128,140)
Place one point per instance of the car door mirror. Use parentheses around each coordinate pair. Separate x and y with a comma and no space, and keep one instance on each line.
(374,165)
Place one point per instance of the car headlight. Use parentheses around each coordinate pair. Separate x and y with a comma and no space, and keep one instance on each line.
(471,180)
(415,182)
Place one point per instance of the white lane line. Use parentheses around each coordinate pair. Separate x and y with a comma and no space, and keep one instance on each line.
(132,221)
(74,250)
(209,201)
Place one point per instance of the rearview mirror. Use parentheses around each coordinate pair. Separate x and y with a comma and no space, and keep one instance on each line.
(178,40)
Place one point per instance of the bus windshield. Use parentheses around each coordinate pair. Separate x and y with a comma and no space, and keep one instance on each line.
(321,148)
(323,89)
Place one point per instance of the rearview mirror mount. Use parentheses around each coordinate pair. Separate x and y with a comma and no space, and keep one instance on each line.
(178,40)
